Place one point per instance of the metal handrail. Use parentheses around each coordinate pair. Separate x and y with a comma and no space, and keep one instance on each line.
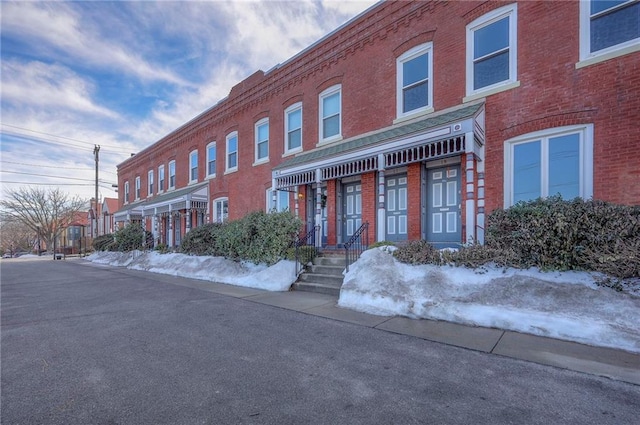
(304,256)
(356,245)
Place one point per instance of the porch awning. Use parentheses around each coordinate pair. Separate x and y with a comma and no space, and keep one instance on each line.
(176,200)
(440,135)
(129,212)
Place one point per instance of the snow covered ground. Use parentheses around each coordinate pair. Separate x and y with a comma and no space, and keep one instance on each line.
(567,305)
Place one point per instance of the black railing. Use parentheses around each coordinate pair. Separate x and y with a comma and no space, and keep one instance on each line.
(306,248)
(357,244)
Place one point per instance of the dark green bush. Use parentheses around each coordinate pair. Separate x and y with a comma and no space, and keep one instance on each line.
(551,234)
(258,237)
(103,243)
(129,238)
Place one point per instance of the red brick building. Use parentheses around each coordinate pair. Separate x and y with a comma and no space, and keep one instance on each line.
(416,117)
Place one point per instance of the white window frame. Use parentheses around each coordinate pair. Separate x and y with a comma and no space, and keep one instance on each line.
(333,90)
(586,158)
(127,192)
(510,11)
(426,48)
(280,203)
(137,188)
(172,175)
(225,216)
(228,168)
(213,160)
(586,56)
(257,141)
(293,108)
(150,181)
(161,179)
(193,169)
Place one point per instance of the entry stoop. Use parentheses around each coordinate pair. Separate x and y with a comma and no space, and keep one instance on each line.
(323,276)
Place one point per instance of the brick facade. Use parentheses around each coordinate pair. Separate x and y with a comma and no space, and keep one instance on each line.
(553,89)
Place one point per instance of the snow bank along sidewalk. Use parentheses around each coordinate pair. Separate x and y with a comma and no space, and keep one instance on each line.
(278,277)
(563,305)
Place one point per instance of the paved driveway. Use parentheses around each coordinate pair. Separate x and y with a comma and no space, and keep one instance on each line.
(84,344)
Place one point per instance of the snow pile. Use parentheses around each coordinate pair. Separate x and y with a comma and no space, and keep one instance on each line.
(564,305)
(278,277)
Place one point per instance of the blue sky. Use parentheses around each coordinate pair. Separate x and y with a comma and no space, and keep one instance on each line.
(123,74)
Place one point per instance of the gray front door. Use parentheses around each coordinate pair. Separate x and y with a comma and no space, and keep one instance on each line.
(396,208)
(443,207)
(351,209)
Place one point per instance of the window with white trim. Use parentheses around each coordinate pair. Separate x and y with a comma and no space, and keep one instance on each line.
(220,210)
(330,114)
(211,159)
(293,128)
(127,192)
(232,152)
(550,162)
(172,174)
(137,188)
(193,166)
(280,203)
(492,50)
(414,70)
(262,140)
(161,179)
(608,27)
(150,183)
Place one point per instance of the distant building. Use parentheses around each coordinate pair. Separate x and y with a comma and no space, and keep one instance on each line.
(416,117)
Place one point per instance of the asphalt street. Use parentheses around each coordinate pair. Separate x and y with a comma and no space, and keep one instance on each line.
(88,344)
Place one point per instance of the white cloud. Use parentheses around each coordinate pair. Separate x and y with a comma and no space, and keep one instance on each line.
(36,84)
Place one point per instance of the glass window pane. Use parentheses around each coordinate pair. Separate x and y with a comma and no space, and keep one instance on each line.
(491,70)
(615,28)
(232,160)
(212,167)
(600,5)
(491,38)
(283,200)
(526,171)
(564,166)
(294,120)
(295,139)
(263,132)
(331,126)
(233,144)
(415,70)
(331,105)
(415,97)
(263,150)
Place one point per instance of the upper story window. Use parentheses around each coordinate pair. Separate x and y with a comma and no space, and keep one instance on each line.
(277,200)
(232,151)
(160,178)
(211,159)
(150,183)
(126,192)
(331,114)
(137,187)
(172,174)
(220,210)
(262,140)
(492,50)
(193,167)
(293,128)
(549,162)
(414,80)
(609,28)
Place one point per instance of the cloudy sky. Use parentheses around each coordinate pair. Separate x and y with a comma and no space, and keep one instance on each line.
(123,74)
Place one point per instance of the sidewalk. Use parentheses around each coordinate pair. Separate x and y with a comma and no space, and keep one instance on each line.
(615,364)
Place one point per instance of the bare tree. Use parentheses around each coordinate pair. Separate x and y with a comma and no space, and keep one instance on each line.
(47,213)
(16,236)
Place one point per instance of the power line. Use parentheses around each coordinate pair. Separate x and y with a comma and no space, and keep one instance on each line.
(54,166)
(55,135)
(46,175)
(47,184)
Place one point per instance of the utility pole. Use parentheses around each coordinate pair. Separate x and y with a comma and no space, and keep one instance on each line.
(96,149)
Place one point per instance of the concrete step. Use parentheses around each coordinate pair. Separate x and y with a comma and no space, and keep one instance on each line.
(324,269)
(333,260)
(321,278)
(322,288)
